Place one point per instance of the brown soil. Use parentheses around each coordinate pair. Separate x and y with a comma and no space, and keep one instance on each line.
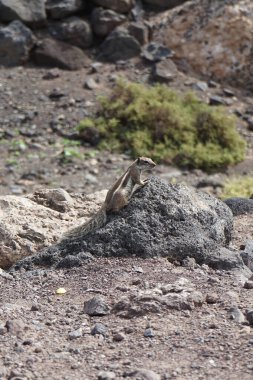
(200,343)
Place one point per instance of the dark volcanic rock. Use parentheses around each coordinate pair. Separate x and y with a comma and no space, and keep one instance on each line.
(72,30)
(165,4)
(121,6)
(240,206)
(58,9)
(105,20)
(161,220)
(119,45)
(29,11)
(16,41)
(53,53)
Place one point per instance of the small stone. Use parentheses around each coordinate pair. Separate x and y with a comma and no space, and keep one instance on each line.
(249,316)
(90,83)
(236,314)
(248,285)
(165,71)
(155,52)
(35,307)
(143,374)
(212,298)
(138,269)
(216,100)
(149,333)
(75,334)
(96,306)
(106,375)
(118,337)
(202,86)
(99,329)
(189,262)
(228,92)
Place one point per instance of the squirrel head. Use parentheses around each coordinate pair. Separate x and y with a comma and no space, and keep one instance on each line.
(145,163)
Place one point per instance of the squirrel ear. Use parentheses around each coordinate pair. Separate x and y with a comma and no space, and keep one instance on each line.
(138,160)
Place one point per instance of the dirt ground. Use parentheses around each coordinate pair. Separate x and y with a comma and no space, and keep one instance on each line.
(47,336)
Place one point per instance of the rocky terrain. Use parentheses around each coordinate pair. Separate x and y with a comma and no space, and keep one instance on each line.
(164,290)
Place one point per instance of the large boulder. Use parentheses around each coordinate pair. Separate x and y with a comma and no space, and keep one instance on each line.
(53,53)
(58,9)
(29,11)
(73,30)
(16,42)
(105,20)
(161,220)
(119,45)
(212,38)
(121,6)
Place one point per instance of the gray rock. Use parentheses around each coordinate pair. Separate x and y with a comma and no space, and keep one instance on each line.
(216,100)
(58,9)
(248,285)
(143,374)
(236,314)
(56,199)
(240,206)
(247,254)
(149,333)
(177,221)
(106,375)
(140,32)
(90,83)
(75,334)
(53,53)
(105,20)
(155,52)
(225,259)
(99,329)
(249,316)
(212,298)
(96,306)
(119,45)
(28,11)
(201,86)
(118,337)
(72,30)
(121,6)
(165,71)
(16,42)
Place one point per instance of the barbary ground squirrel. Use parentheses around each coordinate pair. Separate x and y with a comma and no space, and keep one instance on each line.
(117,197)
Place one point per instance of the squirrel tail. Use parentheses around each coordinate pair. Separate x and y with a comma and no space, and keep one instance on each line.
(97,221)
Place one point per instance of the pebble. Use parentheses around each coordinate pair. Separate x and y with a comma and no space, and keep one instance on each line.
(143,374)
(212,298)
(90,84)
(216,100)
(248,285)
(76,334)
(99,329)
(236,315)
(96,306)
(149,333)
(249,316)
(118,337)
(106,375)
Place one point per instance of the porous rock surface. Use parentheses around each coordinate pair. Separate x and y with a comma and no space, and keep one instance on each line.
(28,224)
(162,219)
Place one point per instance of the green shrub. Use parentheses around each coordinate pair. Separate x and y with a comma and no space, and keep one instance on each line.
(241,186)
(157,122)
